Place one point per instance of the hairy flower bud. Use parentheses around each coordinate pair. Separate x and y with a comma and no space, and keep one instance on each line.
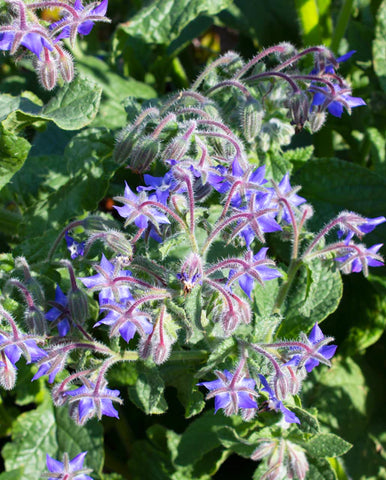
(78,305)
(251,116)
(299,109)
(298,464)
(47,71)
(144,154)
(35,320)
(316,121)
(126,141)
(265,449)
(280,386)
(191,272)
(8,372)
(66,66)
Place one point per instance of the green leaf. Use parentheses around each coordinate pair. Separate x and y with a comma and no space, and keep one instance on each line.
(181,375)
(308,423)
(115,89)
(379,45)
(320,469)
(148,391)
(327,445)
(73,107)
(13,153)
(89,167)
(12,475)
(49,430)
(314,295)
(162,21)
(299,156)
(201,437)
(333,185)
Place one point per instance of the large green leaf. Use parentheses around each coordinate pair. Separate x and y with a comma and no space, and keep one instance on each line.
(315,294)
(162,21)
(49,430)
(148,391)
(115,89)
(13,153)
(73,107)
(78,190)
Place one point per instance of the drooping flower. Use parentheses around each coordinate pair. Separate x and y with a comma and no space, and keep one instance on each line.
(135,209)
(357,225)
(68,469)
(89,400)
(360,258)
(121,318)
(318,348)
(15,347)
(258,218)
(75,248)
(277,405)
(231,392)
(286,196)
(256,267)
(334,102)
(60,312)
(162,186)
(80,20)
(11,38)
(106,281)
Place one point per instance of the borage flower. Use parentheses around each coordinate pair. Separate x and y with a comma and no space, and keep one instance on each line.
(68,469)
(125,320)
(318,345)
(75,248)
(334,102)
(231,392)
(89,400)
(105,281)
(256,267)
(360,258)
(135,211)
(79,19)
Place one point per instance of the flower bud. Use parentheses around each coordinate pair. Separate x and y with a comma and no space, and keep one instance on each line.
(316,120)
(35,320)
(299,109)
(47,71)
(230,320)
(66,66)
(161,352)
(118,243)
(78,305)
(251,114)
(280,386)
(144,154)
(59,397)
(178,147)
(126,141)
(265,449)
(8,372)
(298,464)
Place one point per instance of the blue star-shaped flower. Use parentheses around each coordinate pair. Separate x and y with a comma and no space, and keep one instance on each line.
(231,393)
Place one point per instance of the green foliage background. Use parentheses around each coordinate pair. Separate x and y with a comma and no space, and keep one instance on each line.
(56,164)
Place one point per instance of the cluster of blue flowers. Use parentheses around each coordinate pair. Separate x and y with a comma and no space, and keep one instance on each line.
(27,30)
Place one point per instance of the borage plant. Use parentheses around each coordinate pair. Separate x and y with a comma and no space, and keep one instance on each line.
(208,279)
